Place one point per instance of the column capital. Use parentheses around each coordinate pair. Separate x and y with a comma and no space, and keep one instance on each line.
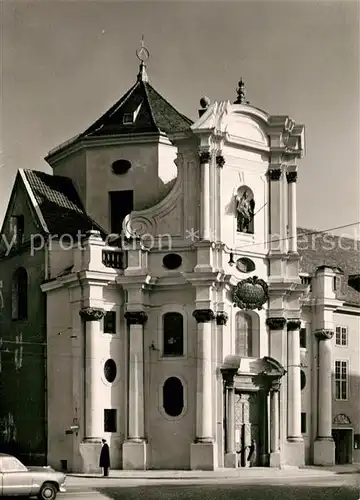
(221,318)
(205,157)
(324,334)
(276,323)
(275,385)
(92,313)
(291,177)
(204,315)
(136,317)
(274,174)
(293,324)
(220,161)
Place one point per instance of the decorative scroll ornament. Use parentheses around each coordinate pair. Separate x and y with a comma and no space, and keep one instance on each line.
(341,418)
(251,293)
(92,314)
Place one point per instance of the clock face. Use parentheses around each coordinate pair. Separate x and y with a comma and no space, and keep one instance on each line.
(245,265)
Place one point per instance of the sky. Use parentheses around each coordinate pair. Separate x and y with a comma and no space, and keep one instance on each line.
(63,63)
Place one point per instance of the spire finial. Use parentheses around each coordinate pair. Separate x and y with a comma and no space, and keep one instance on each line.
(241,92)
(142,54)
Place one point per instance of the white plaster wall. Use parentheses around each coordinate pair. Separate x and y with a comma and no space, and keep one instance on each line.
(170,438)
(244,168)
(167,168)
(59,377)
(60,256)
(142,178)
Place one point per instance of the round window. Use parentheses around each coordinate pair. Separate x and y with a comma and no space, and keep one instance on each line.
(173,397)
(110,370)
(302,379)
(172,261)
(245,265)
(120,167)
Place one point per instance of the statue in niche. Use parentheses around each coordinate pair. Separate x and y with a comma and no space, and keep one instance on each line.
(245,206)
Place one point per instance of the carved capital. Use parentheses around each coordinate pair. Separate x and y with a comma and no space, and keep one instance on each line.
(276,323)
(291,177)
(293,324)
(324,334)
(274,174)
(275,385)
(136,317)
(203,315)
(220,161)
(92,314)
(221,318)
(205,157)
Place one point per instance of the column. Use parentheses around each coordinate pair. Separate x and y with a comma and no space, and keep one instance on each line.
(94,410)
(291,178)
(324,446)
(220,162)
(294,381)
(230,460)
(205,158)
(274,425)
(134,448)
(202,453)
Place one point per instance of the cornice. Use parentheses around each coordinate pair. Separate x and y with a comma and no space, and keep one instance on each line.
(204,279)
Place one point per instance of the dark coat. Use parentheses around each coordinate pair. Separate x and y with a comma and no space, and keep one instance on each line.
(104,456)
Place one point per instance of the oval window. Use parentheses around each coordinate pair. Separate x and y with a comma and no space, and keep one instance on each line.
(110,370)
(120,167)
(245,265)
(302,379)
(173,397)
(172,261)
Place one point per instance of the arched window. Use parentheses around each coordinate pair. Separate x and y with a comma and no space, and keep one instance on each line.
(20,294)
(173,334)
(243,334)
(173,397)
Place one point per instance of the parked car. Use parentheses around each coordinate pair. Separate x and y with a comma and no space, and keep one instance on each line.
(18,480)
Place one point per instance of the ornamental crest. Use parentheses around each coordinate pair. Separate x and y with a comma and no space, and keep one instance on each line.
(251,293)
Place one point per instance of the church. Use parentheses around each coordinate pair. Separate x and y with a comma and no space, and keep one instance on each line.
(157,292)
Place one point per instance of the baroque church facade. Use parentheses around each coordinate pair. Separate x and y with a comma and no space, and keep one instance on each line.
(154,294)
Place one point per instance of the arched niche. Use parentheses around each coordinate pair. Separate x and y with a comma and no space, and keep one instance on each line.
(245,210)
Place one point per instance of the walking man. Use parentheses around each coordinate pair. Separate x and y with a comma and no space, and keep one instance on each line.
(104,462)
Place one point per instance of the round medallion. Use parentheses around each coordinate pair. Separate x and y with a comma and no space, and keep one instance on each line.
(251,293)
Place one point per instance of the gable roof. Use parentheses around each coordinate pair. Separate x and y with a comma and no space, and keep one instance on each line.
(58,204)
(318,248)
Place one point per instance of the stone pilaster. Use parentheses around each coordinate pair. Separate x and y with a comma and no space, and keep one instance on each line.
(94,420)
(324,446)
(275,425)
(202,452)
(205,159)
(135,448)
(291,178)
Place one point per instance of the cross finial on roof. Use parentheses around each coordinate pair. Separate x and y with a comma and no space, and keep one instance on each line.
(142,54)
(241,92)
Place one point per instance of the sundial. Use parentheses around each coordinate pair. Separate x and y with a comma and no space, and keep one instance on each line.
(142,54)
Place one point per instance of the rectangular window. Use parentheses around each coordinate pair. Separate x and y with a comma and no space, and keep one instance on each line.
(341,380)
(17,229)
(110,322)
(357,441)
(341,336)
(303,423)
(121,204)
(303,338)
(110,417)
(128,118)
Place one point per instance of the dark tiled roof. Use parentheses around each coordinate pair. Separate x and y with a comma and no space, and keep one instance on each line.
(155,115)
(59,204)
(317,249)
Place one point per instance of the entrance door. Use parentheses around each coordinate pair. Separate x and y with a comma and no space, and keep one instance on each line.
(343,445)
(247,425)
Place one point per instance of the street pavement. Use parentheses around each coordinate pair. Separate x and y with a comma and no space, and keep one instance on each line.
(333,487)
